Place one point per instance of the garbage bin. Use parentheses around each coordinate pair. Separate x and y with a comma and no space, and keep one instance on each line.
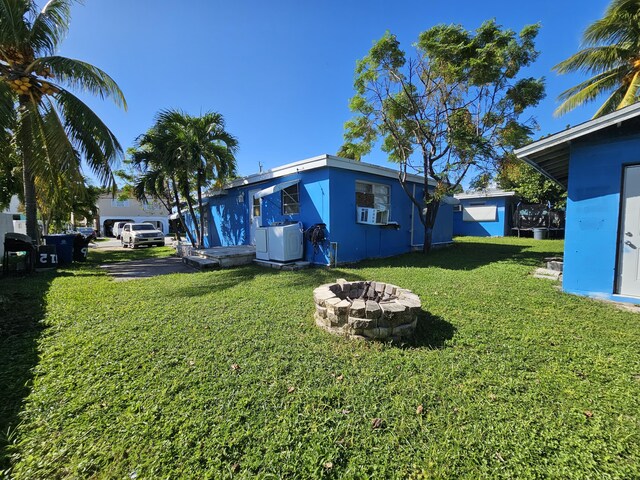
(64,246)
(80,248)
(19,253)
(47,257)
(540,233)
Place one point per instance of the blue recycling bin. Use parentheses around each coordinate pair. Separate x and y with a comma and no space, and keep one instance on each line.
(64,247)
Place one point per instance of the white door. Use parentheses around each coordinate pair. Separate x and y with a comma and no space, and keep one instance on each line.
(255,216)
(629,261)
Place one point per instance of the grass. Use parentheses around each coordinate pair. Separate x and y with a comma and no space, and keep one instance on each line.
(223,374)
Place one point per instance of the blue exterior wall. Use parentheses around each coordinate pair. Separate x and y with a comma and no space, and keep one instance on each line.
(231,220)
(327,195)
(357,241)
(498,228)
(593,211)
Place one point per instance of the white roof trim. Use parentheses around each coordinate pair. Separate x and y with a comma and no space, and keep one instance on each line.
(319,162)
(274,189)
(487,194)
(581,130)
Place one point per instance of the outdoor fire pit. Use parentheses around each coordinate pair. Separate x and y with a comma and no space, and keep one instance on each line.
(366,310)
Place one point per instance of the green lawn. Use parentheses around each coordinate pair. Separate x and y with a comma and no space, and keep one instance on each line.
(224,374)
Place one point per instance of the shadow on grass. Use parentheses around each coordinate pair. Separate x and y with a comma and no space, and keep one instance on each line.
(432,332)
(22,309)
(464,256)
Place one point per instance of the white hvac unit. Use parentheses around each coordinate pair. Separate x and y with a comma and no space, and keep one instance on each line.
(262,243)
(372,216)
(285,242)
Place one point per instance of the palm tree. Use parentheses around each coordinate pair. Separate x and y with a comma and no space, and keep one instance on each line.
(186,154)
(52,128)
(611,53)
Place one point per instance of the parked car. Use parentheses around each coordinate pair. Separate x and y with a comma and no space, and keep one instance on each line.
(135,234)
(117,228)
(87,232)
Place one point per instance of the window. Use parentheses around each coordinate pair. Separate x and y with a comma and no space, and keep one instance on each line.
(257,207)
(150,207)
(457,208)
(290,200)
(142,226)
(119,203)
(373,203)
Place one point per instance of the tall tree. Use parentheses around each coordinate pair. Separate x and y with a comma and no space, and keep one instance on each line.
(53,129)
(450,109)
(611,54)
(531,186)
(185,155)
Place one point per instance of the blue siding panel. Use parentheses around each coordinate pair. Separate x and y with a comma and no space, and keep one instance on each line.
(357,241)
(593,209)
(496,228)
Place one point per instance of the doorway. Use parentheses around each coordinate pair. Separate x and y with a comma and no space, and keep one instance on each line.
(629,237)
(255,216)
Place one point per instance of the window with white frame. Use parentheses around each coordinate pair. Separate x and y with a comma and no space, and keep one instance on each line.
(290,200)
(119,203)
(257,206)
(373,203)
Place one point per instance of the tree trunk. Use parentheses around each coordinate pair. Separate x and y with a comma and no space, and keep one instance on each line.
(180,217)
(429,222)
(25,142)
(201,211)
(194,221)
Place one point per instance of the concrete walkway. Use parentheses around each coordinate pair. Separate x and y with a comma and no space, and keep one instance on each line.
(146,268)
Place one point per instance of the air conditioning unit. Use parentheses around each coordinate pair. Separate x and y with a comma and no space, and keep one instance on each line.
(372,216)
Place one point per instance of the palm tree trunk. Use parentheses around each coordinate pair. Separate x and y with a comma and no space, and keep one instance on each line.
(194,220)
(180,217)
(201,211)
(30,206)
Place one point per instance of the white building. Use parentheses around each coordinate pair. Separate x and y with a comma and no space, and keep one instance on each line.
(112,210)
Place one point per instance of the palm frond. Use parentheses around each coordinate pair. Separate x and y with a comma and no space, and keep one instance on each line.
(7,107)
(611,103)
(56,150)
(82,76)
(587,91)
(631,95)
(96,143)
(50,26)
(596,59)
(13,26)
(620,24)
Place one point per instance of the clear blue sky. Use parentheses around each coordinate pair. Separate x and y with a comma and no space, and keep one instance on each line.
(281,72)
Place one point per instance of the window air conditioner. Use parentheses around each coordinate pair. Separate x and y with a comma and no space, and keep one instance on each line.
(371,216)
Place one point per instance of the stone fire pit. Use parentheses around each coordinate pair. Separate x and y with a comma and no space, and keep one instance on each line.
(366,310)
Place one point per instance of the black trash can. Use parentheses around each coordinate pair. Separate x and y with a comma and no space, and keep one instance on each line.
(19,253)
(47,257)
(80,248)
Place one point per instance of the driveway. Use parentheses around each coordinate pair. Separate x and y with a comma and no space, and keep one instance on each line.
(146,268)
(108,244)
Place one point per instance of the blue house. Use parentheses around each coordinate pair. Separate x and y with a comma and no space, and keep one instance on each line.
(599,163)
(364,210)
(486,213)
